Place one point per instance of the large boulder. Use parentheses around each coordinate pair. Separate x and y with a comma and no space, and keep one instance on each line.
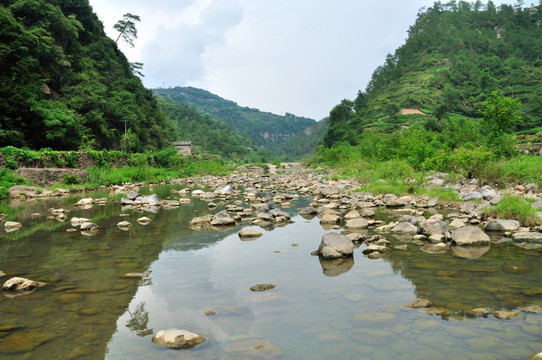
(433,226)
(177,339)
(470,236)
(502,225)
(150,199)
(405,228)
(471,195)
(335,246)
(528,237)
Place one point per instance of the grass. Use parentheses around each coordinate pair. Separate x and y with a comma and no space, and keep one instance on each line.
(515,208)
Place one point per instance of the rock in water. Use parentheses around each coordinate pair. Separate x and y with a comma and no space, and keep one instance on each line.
(19,284)
(12,226)
(470,236)
(502,225)
(263,287)
(249,234)
(177,339)
(335,246)
(222,218)
(89,226)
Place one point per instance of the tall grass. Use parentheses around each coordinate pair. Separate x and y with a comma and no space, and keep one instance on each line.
(515,208)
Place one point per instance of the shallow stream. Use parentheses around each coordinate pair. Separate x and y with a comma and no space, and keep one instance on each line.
(200,280)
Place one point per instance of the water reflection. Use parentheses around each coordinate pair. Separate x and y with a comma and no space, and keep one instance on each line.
(100,301)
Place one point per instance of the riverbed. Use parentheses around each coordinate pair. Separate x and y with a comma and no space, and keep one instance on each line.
(108,294)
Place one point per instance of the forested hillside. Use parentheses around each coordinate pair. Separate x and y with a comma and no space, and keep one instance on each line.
(265,129)
(207,135)
(455,56)
(65,85)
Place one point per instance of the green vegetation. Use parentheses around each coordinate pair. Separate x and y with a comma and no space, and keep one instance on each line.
(265,129)
(207,135)
(448,100)
(7,180)
(65,85)
(111,167)
(514,208)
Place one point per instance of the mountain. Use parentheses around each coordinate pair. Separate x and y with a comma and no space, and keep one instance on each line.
(265,129)
(456,55)
(65,85)
(206,134)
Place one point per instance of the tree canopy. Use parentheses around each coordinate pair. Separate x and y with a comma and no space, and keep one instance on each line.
(65,85)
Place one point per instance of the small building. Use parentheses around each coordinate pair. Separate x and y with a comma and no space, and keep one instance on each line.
(183,147)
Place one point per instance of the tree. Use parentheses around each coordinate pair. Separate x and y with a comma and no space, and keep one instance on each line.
(500,113)
(127,29)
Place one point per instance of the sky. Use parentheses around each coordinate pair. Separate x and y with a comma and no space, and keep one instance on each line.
(297,56)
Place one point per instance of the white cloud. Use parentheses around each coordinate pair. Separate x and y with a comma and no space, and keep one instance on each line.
(297,56)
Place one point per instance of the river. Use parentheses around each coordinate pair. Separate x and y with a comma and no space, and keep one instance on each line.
(200,280)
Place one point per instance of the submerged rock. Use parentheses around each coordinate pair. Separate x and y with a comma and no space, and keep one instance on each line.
(177,339)
(335,246)
(24,341)
(262,287)
(252,349)
(505,315)
(418,304)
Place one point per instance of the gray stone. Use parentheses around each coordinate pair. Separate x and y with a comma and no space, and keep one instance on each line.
(354,214)
(529,237)
(502,225)
(249,234)
(177,339)
(309,211)
(357,224)
(330,219)
(150,199)
(124,225)
(488,192)
(143,220)
(19,284)
(495,200)
(335,246)
(410,219)
(222,218)
(405,228)
(433,226)
(505,315)
(536,356)
(418,304)
(531,187)
(375,248)
(537,205)
(432,202)
(470,236)
(471,195)
(89,226)
(132,195)
(12,225)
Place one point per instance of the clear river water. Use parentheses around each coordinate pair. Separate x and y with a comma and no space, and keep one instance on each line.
(199,280)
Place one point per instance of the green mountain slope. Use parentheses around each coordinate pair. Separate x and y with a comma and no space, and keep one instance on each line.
(64,84)
(265,129)
(207,135)
(455,56)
